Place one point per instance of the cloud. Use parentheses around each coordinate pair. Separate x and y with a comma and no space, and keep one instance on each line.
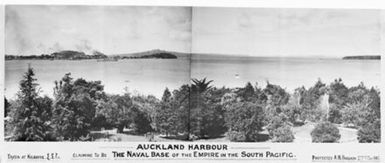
(293,32)
(85,46)
(110,29)
(180,35)
(16,26)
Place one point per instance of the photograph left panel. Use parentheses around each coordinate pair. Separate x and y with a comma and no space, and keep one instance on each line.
(93,73)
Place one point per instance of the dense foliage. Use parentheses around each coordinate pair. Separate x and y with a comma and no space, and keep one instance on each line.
(74,108)
(325,132)
(30,113)
(370,133)
(193,111)
(245,121)
(280,129)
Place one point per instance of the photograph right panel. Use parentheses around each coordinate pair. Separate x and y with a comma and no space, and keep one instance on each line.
(286,75)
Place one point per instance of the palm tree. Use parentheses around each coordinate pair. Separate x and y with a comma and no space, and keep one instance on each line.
(197,89)
(200,86)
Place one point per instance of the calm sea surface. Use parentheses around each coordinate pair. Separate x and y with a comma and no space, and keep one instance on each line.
(152,76)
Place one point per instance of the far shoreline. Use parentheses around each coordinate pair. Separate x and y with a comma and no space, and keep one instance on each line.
(164,54)
(362,57)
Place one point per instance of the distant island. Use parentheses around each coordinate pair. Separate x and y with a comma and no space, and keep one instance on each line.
(161,54)
(363,57)
(62,55)
(77,55)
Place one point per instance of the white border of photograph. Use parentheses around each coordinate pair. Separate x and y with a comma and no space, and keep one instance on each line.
(303,151)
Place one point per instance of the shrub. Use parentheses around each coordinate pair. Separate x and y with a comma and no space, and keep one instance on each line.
(245,119)
(325,132)
(283,134)
(276,122)
(370,133)
(280,129)
(236,136)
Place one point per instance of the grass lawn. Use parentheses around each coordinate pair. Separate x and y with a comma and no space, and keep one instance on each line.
(301,134)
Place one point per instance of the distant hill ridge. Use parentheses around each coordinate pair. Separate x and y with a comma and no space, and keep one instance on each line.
(78,55)
(61,55)
(363,57)
(156,53)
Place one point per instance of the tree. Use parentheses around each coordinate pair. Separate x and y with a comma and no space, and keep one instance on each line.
(352,112)
(145,112)
(6,107)
(206,112)
(310,101)
(198,106)
(244,120)
(374,105)
(335,114)
(293,110)
(45,104)
(167,114)
(338,93)
(247,93)
(276,97)
(119,111)
(325,132)
(357,93)
(94,89)
(74,109)
(181,105)
(142,122)
(166,98)
(29,112)
(338,98)
(360,113)
(200,86)
(163,113)
(370,133)
(212,115)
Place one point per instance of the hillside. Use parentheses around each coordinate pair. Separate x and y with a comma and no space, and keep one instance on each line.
(363,57)
(61,55)
(161,54)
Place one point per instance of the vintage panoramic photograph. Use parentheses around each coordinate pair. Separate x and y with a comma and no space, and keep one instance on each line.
(202,74)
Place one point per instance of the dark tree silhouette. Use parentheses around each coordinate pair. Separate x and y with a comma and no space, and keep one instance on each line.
(30,112)
(200,86)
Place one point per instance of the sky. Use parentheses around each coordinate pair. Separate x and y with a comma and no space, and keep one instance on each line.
(286,32)
(109,29)
(237,31)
